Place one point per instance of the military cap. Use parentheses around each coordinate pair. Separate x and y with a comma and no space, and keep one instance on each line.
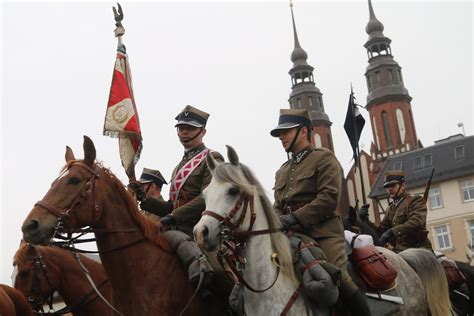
(392,177)
(150,175)
(192,116)
(290,118)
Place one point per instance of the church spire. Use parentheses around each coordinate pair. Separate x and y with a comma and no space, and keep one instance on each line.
(374,24)
(388,101)
(298,56)
(305,95)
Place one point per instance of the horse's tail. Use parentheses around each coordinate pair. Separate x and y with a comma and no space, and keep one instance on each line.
(433,278)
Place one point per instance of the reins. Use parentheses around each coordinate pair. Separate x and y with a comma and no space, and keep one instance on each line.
(231,254)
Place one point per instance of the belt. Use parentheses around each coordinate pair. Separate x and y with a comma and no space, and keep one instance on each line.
(293,207)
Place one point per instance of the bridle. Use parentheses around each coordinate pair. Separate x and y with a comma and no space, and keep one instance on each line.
(63,214)
(36,299)
(233,240)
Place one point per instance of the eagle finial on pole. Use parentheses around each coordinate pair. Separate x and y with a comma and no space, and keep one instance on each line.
(118,14)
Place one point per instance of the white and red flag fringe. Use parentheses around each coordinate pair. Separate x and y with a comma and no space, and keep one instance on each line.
(121,118)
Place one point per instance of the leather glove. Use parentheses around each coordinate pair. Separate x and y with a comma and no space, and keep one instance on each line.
(386,237)
(137,188)
(168,220)
(287,221)
(364,212)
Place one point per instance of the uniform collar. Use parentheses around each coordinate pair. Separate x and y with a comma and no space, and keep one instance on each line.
(400,198)
(299,157)
(193,151)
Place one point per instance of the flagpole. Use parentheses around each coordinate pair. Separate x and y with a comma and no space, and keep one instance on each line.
(364,200)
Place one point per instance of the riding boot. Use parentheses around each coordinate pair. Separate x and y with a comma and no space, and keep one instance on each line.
(201,275)
(357,304)
(193,260)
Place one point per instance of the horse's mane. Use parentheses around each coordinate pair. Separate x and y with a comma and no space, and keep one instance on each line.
(244,178)
(150,228)
(20,255)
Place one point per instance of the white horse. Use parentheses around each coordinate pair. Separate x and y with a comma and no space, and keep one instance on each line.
(232,191)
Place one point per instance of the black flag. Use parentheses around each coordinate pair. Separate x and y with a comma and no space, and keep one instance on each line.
(353,125)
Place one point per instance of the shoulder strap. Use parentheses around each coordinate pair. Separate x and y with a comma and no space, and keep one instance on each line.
(353,240)
(182,174)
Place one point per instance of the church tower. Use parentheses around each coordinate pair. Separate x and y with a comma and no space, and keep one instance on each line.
(388,101)
(305,95)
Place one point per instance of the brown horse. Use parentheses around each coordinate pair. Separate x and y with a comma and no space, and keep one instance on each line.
(12,302)
(146,278)
(40,271)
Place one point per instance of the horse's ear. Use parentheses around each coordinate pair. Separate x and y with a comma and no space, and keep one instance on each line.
(232,156)
(211,162)
(69,154)
(89,151)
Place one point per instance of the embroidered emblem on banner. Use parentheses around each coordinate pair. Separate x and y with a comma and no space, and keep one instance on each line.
(182,175)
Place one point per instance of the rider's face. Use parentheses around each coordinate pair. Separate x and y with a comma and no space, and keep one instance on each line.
(394,189)
(187,133)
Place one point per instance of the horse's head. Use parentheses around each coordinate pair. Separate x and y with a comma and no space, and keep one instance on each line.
(70,201)
(35,276)
(226,197)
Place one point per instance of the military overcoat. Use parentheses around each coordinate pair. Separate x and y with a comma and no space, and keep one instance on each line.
(190,204)
(406,217)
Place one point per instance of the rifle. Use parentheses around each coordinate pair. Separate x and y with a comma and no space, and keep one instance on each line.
(427,188)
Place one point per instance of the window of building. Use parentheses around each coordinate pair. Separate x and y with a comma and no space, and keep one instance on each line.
(459,153)
(377,75)
(442,237)
(417,163)
(310,100)
(397,166)
(467,189)
(386,129)
(390,74)
(427,160)
(471,231)
(424,161)
(298,102)
(435,198)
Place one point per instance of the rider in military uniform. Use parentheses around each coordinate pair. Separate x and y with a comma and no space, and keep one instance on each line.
(307,189)
(186,204)
(404,224)
(152,181)
(184,211)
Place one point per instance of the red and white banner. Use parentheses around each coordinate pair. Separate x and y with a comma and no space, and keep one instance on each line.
(121,118)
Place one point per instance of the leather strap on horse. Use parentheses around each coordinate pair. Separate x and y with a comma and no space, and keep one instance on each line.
(241,279)
(296,294)
(87,274)
(83,302)
(201,279)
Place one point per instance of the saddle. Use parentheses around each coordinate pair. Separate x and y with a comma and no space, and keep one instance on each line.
(455,277)
(372,266)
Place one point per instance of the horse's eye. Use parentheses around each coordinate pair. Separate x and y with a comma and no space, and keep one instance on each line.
(233,191)
(74,180)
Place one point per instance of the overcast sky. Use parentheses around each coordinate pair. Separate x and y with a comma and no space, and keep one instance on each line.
(230,59)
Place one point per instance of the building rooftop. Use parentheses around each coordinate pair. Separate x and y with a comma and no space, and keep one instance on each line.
(451,157)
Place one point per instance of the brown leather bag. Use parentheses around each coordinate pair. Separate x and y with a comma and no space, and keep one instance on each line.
(455,277)
(373,267)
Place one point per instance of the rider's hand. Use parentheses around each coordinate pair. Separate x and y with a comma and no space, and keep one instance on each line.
(137,188)
(287,221)
(386,237)
(168,220)
(364,212)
